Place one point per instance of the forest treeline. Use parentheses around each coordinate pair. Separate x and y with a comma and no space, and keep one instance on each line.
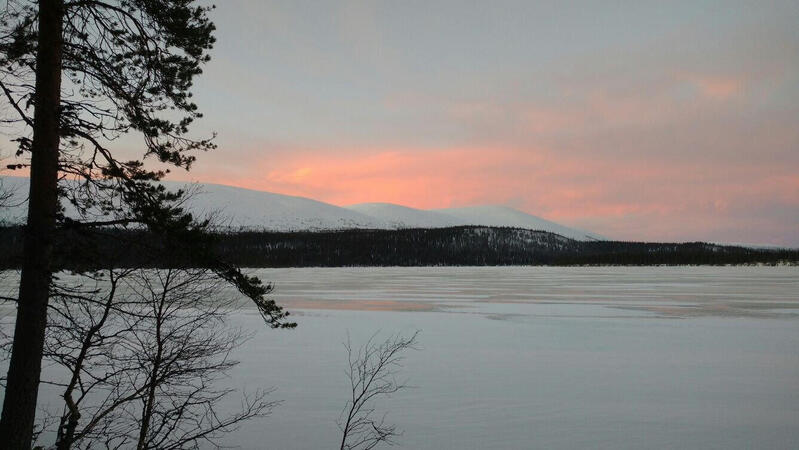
(456,246)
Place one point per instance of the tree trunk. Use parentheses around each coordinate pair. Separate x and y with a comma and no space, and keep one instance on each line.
(22,385)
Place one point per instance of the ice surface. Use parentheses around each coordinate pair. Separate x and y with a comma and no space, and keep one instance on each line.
(538,357)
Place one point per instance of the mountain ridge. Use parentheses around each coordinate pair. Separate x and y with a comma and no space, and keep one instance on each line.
(249,209)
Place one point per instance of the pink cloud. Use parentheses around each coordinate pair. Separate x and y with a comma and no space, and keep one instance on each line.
(717,87)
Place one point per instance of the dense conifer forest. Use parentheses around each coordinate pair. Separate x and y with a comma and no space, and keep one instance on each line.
(456,246)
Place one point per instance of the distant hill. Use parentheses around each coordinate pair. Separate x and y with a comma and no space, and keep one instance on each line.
(398,216)
(503,216)
(247,209)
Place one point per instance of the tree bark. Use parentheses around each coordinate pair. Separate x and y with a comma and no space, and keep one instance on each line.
(24,371)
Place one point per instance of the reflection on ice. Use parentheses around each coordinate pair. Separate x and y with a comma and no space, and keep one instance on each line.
(601,291)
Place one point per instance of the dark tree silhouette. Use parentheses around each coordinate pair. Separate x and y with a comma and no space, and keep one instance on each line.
(6,196)
(78,74)
(372,372)
(142,350)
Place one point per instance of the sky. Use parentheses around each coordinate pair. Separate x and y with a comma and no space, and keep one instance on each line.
(639,120)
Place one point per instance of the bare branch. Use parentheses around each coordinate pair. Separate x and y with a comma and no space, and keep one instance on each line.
(372,372)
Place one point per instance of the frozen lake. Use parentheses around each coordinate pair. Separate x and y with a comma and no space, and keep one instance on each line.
(542,357)
(539,357)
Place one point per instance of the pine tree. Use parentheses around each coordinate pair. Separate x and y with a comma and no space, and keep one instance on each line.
(79,74)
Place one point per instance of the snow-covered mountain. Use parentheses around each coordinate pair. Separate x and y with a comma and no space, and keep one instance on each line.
(245,208)
(249,209)
(398,216)
(235,207)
